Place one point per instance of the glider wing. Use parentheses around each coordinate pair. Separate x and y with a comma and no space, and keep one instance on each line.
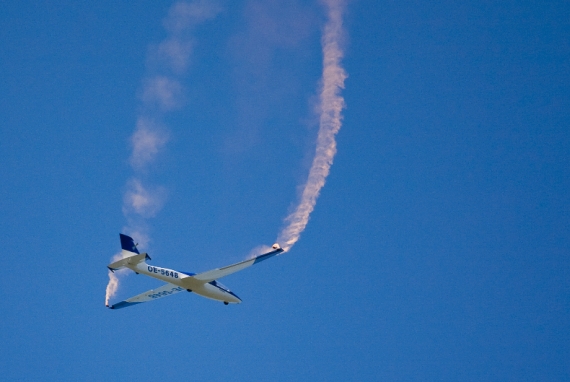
(153,294)
(217,273)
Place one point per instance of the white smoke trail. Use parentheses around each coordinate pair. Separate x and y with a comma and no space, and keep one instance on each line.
(112,287)
(331,105)
(160,94)
(113,284)
(143,201)
(147,141)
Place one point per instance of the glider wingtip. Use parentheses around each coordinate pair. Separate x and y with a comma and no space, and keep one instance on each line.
(277,248)
(123,304)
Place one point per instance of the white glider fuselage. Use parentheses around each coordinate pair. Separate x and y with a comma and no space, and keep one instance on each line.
(213,290)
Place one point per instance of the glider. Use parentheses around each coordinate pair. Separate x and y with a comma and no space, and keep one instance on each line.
(205,284)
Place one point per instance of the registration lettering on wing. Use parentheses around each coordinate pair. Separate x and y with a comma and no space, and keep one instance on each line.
(165,292)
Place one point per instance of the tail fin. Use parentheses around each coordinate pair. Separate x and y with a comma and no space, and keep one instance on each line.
(130,253)
(128,244)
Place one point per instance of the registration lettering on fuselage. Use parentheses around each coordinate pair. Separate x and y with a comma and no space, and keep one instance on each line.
(163,272)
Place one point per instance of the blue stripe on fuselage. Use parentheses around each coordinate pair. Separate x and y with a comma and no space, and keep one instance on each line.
(214,283)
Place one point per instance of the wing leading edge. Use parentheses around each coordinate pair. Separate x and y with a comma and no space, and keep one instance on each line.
(228,270)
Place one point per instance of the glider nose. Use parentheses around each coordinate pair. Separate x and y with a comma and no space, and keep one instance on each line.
(231,297)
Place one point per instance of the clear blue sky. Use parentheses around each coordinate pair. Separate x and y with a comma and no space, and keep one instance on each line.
(439,248)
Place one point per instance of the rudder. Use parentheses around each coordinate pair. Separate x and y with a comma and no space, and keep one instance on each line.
(128,244)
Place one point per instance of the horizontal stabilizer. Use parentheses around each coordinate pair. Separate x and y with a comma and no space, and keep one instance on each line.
(126,261)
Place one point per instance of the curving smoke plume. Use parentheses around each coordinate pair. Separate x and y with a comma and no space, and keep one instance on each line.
(331,105)
(161,92)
